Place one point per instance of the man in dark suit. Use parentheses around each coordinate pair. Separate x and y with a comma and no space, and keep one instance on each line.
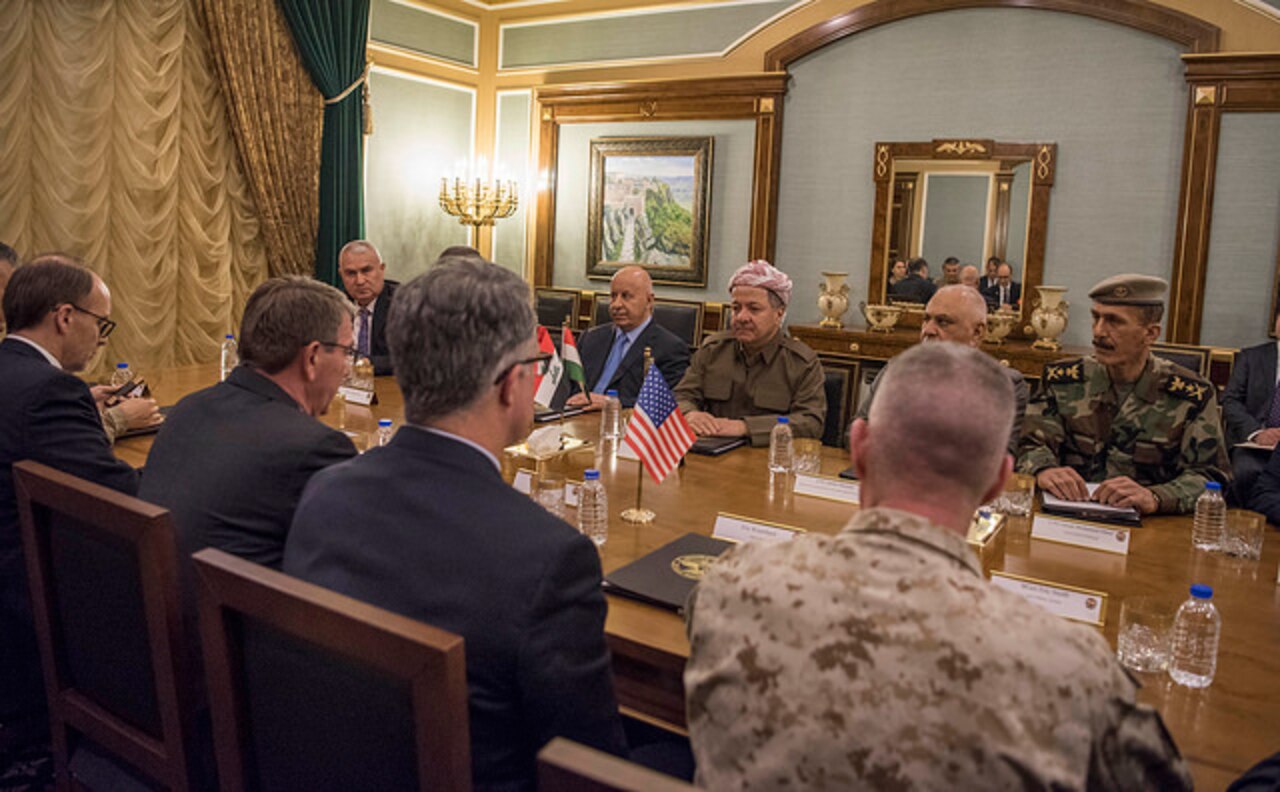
(916,287)
(1251,411)
(989,278)
(426,526)
(56,311)
(231,460)
(613,354)
(1006,293)
(364,277)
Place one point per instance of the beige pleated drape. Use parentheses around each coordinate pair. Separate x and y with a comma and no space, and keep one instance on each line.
(114,146)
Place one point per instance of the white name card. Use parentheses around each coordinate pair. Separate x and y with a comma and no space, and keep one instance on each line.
(356,395)
(1081,534)
(732,528)
(828,487)
(523,482)
(572,489)
(1068,602)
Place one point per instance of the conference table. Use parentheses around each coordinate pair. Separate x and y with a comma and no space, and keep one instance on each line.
(1222,730)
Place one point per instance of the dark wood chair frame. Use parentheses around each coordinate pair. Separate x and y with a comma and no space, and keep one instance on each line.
(575,302)
(699,310)
(853,375)
(1200,353)
(567,766)
(42,491)
(430,661)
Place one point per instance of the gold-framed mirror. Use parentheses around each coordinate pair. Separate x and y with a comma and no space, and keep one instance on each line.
(998,205)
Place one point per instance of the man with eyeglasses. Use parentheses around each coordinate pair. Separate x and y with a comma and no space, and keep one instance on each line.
(426,526)
(56,311)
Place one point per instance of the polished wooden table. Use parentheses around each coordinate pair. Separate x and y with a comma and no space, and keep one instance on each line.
(1221,730)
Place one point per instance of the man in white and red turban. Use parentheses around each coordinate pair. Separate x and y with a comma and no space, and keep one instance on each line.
(745,377)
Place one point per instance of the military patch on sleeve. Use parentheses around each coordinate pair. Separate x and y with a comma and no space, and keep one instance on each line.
(1064,372)
(1194,391)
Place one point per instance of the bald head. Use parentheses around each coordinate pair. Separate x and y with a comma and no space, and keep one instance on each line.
(630,297)
(955,313)
(969,276)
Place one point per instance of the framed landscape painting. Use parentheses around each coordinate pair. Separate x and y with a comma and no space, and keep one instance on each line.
(649,205)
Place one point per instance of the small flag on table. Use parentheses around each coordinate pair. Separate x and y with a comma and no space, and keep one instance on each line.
(657,431)
(545,386)
(572,360)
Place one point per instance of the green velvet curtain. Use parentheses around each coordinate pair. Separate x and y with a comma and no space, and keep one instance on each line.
(331,36)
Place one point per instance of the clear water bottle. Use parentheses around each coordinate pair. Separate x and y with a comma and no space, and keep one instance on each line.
(230,355)
(1210,519)
(384,431)
(611,417)
(1196,629)
(780,447)
(122,375)
(593,508)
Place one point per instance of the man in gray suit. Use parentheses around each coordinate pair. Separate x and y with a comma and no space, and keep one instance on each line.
(1251,410)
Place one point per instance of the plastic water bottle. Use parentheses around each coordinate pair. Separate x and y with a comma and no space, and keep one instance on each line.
(122,375)
(230,355)
(384,431)
(1196,629)
(611,416)
(1210,519)
(593,508)
(780,447)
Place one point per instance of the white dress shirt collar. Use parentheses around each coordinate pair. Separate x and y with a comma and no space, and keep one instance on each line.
(53,361)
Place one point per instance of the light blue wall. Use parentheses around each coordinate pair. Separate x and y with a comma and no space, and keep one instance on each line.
(512,159)
(730,224)
(955,217)
(421,130)
(424,31)
(1245,234)
(1113,98)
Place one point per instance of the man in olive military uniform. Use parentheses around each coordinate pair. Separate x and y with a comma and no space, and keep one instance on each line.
(741,380)
(1148,432)
(880,658)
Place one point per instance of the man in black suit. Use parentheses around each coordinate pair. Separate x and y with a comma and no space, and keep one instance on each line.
(364,277)
(56,311)
(989,278)
(426,526)
(231,460)
(1006,293)
(1251,411)
(916,287)
(613,354)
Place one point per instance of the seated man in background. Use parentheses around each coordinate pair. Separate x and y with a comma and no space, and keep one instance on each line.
(232,459)
(916,287)
(1251,410)
(56,311)
(959,314)
(363,276)
(990,274)
(879,658)
(741,380)
(613,354)
(950,273)
(969,276)
(1006,293)
(1147,431)
(426,526)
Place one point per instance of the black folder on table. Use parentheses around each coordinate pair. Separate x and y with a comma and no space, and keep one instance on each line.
(547,416)
(715,446)
(654,578)
(145,430)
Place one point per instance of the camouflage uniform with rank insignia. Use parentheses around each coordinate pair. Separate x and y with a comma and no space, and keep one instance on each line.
(880,658)
(1166,436)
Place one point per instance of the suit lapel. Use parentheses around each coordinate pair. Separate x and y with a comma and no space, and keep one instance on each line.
(1266,384)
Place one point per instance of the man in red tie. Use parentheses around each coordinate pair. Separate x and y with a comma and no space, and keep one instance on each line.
(364,277)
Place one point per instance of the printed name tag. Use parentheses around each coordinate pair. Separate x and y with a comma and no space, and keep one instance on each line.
(1081,534)
(626,452)
(1068,602)
(523,482)
(739,529)
(828,487)
(356,396)
(572,489)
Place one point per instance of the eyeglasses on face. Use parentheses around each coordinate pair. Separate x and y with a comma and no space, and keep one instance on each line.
(105,325)
(541,359)
(350,352)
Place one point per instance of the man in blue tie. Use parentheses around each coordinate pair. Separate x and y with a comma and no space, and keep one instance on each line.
(364,277)
(613,354)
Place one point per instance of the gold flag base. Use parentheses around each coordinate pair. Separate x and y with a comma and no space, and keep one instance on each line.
(638,515)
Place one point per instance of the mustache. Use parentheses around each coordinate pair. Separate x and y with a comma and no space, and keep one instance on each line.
(1102,343)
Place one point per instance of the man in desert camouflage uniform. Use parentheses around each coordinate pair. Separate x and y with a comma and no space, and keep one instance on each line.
(1148,431)
(879,658)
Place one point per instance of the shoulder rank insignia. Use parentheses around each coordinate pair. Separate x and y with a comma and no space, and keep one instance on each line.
(1067,371)
(1191,390)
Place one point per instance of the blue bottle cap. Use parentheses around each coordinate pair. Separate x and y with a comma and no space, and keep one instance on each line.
(230,336)
(783,419)
(1201,591)
(1213,485)
(612,394)
(591,475)
(122,365)
(384,422)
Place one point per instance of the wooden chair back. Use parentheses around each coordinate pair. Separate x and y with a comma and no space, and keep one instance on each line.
(841,385)
(1195,358)
(681,317)
(567,766)
(314,690)
(103,572)
(553,306)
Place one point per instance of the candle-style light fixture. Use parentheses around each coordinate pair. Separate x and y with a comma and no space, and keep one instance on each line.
(478,202)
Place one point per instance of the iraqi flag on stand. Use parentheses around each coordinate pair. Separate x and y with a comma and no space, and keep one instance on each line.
(657,431)
(572,361)
(545,386)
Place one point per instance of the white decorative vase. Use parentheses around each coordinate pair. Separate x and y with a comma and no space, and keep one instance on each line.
(1049,318)
(833,298)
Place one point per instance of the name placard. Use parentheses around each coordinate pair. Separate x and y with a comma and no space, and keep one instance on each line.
(733,528)
(572,489)
(356,395)
(523,482)
(1081,534)
(1069,602)
(829,487)
(625,451)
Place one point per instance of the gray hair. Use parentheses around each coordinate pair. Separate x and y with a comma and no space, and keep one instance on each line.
(451,329)
(285,314)
(358,246)
(941,420)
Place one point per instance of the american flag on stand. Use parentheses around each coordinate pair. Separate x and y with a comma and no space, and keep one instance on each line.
(657,431)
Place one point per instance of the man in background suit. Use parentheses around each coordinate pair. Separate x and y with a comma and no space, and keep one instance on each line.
(56,311)
(989,274)
(1007,292)
(426,527)
(364,277)
(916,287)
(613,354)
(1251,411)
